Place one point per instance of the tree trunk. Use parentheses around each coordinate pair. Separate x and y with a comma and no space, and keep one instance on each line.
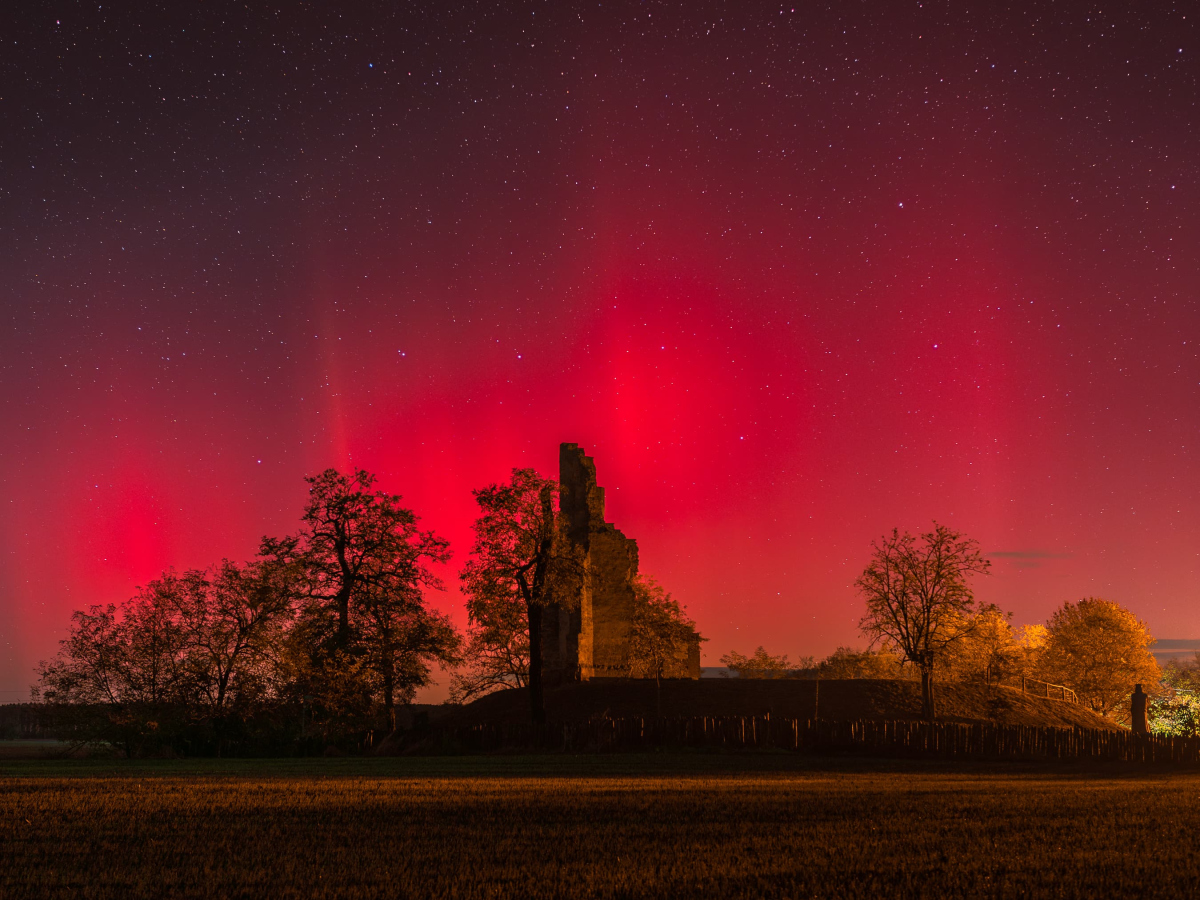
(537,705)
(343,608)
(343,595)
(928,710)
(389,698)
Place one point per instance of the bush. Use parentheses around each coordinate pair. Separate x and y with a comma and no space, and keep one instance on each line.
(1175,713)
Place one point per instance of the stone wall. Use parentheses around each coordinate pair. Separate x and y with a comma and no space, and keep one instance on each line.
(587,635)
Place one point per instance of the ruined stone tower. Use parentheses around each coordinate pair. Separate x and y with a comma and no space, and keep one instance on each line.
(587,636)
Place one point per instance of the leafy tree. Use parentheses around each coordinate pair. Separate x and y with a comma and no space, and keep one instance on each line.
(987,647)
(497,650)
(1031,643)
(90,664)
(335,614)
(918,596)
(1182,674)
(761,665)
(517,558)
(847,663)
(660,632)
(233,619)
(356,541)
(155,670)
(126,672)
(85,684)
(404,639)
(364,563)
(1101,650)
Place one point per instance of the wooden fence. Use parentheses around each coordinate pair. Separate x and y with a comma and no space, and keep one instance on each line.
(947,740)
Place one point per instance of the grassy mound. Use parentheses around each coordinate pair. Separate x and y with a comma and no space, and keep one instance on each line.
(838,699)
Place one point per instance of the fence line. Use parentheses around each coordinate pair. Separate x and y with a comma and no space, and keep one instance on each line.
(1034,687)
(904,738)
(1048,690)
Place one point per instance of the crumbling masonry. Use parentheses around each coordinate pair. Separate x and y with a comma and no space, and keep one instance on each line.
(587,636)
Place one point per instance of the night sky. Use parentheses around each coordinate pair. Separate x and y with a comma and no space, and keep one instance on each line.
(792,275)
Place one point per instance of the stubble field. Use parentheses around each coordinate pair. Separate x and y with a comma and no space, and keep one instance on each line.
(617,826)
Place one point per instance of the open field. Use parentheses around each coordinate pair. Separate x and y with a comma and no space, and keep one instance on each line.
(599,826)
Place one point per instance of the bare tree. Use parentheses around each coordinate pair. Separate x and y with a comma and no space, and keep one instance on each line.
(918,595)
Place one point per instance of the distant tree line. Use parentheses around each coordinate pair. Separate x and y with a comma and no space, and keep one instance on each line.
(925,623)
(844,662)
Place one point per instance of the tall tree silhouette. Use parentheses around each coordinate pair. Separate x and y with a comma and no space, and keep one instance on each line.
(515,562)
(356,541)
(365,563)
(332,617)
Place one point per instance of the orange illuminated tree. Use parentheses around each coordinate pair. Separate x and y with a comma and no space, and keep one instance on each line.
(1100,649)
(918,596)
(761,665)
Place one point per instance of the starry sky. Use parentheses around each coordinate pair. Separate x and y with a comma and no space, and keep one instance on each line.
(793,275)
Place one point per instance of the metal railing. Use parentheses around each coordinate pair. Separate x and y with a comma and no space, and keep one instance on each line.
(1048,690)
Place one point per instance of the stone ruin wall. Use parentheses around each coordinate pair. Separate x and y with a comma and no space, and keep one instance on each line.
(587,636)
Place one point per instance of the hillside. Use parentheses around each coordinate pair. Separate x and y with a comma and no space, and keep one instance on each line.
(845,699)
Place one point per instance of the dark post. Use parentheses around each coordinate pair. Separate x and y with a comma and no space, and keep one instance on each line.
(1137,712)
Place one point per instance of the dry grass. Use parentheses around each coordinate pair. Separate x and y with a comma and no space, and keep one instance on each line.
(756,826)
